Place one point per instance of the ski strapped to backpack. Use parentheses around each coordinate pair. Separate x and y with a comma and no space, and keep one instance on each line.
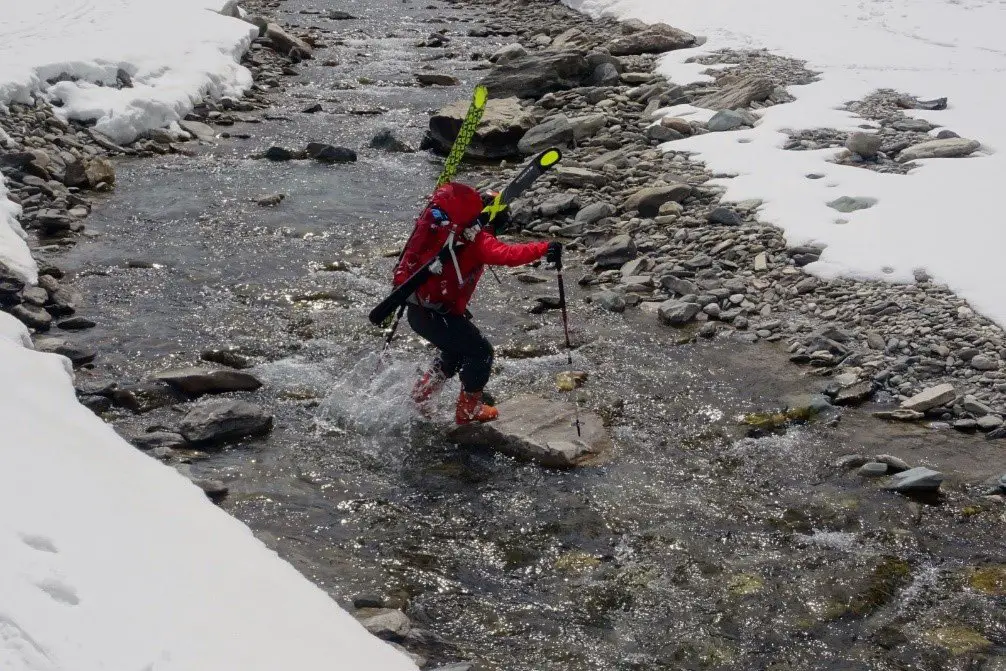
(538,166)
(465,135)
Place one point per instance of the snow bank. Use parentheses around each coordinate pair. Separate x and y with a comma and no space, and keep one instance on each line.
(109,560)
(944,216)
(175,52)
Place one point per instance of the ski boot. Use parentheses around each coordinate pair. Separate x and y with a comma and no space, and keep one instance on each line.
(426,387)
(472,409)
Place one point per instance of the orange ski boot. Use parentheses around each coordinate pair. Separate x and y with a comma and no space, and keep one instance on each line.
(472,409)
(425,389)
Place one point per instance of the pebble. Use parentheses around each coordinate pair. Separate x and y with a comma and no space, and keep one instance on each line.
(917,479)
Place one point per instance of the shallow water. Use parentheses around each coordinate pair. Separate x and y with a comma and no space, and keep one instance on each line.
(690,546)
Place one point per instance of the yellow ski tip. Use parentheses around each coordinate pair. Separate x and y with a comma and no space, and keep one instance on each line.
(481,96)
(550,158)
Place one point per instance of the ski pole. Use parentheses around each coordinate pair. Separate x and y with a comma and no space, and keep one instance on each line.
(569,345)
(394,328)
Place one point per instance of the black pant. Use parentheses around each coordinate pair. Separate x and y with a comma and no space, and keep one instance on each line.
(464,351)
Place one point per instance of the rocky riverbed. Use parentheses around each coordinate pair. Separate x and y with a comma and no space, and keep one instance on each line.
(745,516)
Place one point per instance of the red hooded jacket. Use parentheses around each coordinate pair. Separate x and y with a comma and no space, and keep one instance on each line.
(456,207)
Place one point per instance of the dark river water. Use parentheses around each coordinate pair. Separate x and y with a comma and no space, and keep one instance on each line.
(691,546)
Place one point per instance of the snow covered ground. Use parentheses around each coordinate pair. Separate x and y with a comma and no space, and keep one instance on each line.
(944,216)
(108,559)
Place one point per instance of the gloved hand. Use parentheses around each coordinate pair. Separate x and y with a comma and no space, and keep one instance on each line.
(554,254)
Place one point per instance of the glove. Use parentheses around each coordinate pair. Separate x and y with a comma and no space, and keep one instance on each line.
(554,254)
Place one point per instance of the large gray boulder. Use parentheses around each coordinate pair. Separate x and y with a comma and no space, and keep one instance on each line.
(654,40)
(933,397)
(503,124)
(538,430)
(556,131)
(287,44)
(535,75)
(222,420)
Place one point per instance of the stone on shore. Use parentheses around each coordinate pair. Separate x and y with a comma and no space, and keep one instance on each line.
(647,201)
(656,39)
(931,398)
(556,131)
(539,430)
(535,75)
(503,124)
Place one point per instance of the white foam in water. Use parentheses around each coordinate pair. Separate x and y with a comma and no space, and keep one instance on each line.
(944,216)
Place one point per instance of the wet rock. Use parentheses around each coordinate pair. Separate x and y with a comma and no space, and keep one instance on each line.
(849,461)
(854,394)
(873,469)
(930,398)
(387,624)
(327,153)
(96,404)
(615,252)
(155,439)
(656,39)
(725,120)
(610,301)
(996,434)
(460,666)
(368,601)
(433,79)
(894,464)
(863,144)
(197,381)
(76,324)
(556,131)
(740,93)
(77,354)
(339,15)
(647,201)
(222,420)
(226,357)
(539,430)
(919,479)
(279,154)
(386,140)
(32,316)
(503,124)
(271,201)
(677,313)
(312,109)
(950,148)
(146,396)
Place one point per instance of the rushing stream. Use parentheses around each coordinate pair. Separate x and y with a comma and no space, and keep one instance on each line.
(690,546)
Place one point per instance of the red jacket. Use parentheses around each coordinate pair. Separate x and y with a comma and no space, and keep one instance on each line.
(456,207)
